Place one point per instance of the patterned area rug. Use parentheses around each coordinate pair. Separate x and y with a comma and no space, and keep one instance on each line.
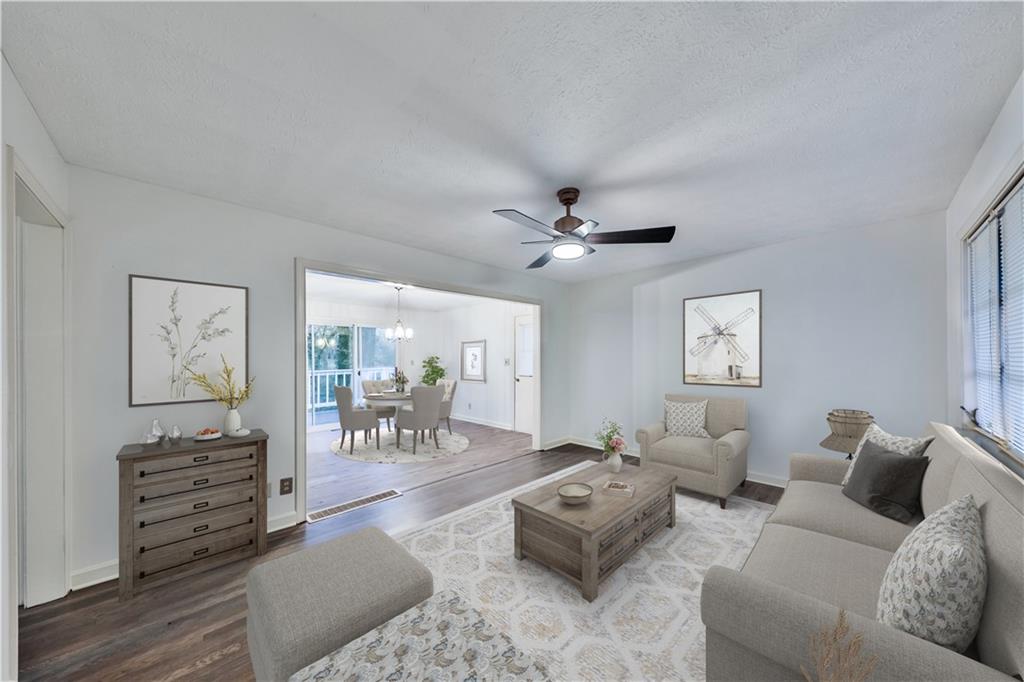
(390,453)
(645,622)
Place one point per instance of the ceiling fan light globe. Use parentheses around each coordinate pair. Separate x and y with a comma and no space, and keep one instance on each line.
(568,250)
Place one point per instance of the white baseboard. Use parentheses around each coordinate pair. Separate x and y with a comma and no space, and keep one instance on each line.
(282,521)
(557,443)
(766,479)
(590,443)
(482,422)
(94,575)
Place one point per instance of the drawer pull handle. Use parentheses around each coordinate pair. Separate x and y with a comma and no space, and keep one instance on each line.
(200,505)
(198,552)
(200,529)
(201,458)
(201,481)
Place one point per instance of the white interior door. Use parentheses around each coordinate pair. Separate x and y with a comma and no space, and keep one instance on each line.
(41,384)
(524,374)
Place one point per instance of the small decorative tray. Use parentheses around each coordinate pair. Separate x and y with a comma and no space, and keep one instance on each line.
(575,493)
(209,436)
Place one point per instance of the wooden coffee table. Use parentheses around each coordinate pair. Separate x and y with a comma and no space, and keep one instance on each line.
(586,543)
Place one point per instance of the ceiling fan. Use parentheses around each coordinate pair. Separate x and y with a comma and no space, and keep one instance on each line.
(571,237)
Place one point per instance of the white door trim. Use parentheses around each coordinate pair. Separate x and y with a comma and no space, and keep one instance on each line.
(302,265)
(13,169)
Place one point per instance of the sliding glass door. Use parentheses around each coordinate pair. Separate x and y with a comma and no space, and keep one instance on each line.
(342,355)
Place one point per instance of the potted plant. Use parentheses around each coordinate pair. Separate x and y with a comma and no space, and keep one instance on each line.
(227,393)
(432,371)
(612,443)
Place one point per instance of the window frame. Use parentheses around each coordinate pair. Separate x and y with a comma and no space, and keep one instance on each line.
(969,384)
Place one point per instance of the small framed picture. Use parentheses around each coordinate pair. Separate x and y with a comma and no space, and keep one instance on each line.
(474,361)
(722,339)
(178,328)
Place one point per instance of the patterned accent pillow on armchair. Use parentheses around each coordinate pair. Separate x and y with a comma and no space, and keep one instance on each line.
(686,419)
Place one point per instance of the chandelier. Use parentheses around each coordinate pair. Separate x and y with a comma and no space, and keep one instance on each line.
(399,332)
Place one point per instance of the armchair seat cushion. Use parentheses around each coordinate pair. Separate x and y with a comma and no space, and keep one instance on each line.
(836,571)
(822,507)
(686,452)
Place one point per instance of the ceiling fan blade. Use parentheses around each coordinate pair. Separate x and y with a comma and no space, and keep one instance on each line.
(585,229)
(526,221)
(540,241)
(650,235)
(540,262)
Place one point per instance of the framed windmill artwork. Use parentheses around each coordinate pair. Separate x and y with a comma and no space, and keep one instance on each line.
(179,328)
(722,339)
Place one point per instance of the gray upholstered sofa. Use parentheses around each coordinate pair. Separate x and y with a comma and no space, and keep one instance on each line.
(713,466)
(820,551)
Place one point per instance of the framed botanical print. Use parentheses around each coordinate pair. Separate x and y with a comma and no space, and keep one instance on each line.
(722,339)
(474,361)
(179,328)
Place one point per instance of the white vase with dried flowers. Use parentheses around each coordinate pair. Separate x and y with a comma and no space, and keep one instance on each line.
(229,394)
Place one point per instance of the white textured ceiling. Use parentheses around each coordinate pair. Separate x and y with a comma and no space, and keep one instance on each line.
(365,292)
(742,124)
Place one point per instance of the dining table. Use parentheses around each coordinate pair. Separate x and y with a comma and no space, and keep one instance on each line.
(387,399)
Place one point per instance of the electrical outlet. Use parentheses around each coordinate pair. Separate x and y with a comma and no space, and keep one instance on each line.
(286,486)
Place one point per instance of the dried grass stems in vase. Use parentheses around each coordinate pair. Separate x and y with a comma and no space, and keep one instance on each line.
(836,660)
(228,393)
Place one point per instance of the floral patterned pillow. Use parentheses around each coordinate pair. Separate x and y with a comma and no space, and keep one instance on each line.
(903,445)
(686,419)
(934,587)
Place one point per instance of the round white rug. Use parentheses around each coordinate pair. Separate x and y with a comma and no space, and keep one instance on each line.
(389,453)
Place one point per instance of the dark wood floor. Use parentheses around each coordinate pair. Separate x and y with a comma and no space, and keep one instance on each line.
(196,629)
(331,479)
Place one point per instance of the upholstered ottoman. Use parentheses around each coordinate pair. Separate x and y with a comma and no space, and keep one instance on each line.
(305,605)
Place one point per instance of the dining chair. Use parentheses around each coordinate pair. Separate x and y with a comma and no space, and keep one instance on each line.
(422,416)
(374,386)
(354,419)
(446,402)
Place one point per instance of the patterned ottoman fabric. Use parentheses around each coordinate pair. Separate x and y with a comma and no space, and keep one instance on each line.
(442,638)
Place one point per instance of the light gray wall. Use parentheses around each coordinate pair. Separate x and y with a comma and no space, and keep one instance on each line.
(491,402)
(852,319)
(123,226)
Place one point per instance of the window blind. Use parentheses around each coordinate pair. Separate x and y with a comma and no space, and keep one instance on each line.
(996,309)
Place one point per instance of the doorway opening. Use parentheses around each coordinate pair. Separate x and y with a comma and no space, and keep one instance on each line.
(369,347)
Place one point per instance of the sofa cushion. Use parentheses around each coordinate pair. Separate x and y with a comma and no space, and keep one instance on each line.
(822,507)
(846,574)
(934,587)
(689,453)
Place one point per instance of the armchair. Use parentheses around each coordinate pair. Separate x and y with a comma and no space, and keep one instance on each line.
(713,466)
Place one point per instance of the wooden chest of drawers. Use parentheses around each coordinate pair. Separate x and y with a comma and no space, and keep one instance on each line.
(189,507)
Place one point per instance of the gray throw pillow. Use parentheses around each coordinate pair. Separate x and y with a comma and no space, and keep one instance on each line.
(934,587)
(887,482)
(911,447)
